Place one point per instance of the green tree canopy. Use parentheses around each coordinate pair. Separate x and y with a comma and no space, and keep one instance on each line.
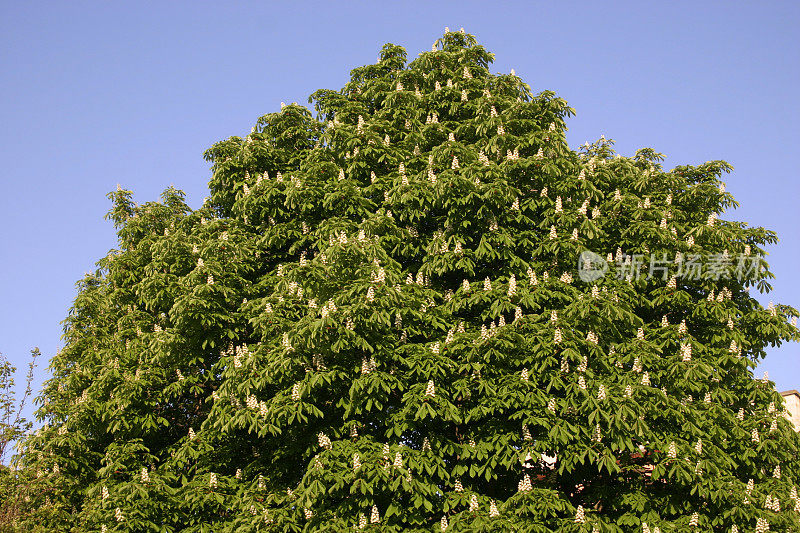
(378,321)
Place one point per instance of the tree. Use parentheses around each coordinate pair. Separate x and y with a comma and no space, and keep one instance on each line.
(377,321)
(13,428)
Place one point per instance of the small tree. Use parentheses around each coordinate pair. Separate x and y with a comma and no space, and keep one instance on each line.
(376,322)
(13,428)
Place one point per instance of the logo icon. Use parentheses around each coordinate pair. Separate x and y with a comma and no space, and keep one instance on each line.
(591,266)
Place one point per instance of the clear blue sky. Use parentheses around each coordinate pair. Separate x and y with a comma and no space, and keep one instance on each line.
(98,93)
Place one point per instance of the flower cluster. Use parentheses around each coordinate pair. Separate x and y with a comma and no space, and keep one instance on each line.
(430,390)
(285,343)
(512,285)
(580,517)
(324,441)
(493,512)
(368,365)
(686,352)
(772,503)
(601,392)
(374,517)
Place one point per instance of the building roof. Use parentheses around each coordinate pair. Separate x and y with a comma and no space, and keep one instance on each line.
(790,392)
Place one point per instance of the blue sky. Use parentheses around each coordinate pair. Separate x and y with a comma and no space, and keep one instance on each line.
(98,93)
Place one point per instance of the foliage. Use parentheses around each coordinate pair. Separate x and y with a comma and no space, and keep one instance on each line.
(376,321)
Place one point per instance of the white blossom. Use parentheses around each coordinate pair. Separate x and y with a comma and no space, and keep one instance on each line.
(285,342)
(551,405)
(473,503)
(686,352)
(374,517)
(584,207)
(324,441)
(580,517)
(493,512)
